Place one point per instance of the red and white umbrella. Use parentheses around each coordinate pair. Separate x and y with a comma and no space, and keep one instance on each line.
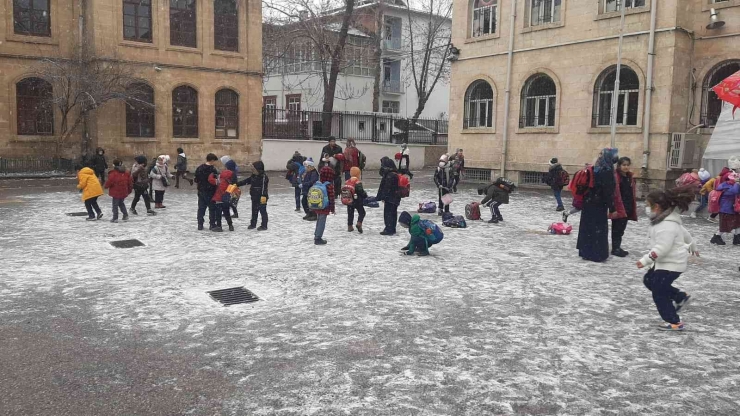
(729,91)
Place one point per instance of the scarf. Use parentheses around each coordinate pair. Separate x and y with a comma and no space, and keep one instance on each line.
(607,159)
(663,215)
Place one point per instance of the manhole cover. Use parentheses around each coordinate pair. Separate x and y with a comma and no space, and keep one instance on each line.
(77,214)
(126,243)
(233,296)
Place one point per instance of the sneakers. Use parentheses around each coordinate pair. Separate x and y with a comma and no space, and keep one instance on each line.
(736,240)
(565,216)
(297,210)
(133,211)
(350,228)
(405,248)
(319,241)
(151,212)
(217,229)
(359,227)
(667,326)
(91,219)
(125,217)
(100,215)
(692,215)
(384,232)
(231,227)
(493,221)
(713,220)
(560,208)
(684,302)
(717,239)
(620,253)
(262,228)
(114,221)
(251,227)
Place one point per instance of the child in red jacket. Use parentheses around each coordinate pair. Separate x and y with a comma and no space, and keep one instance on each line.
(119,186)
(221,199)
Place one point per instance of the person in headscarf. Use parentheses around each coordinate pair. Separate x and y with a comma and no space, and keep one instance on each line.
(160,177)
(593,235)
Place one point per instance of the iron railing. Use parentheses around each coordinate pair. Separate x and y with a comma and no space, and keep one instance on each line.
(34,165)
(370,127)
(393,86)
(392,44)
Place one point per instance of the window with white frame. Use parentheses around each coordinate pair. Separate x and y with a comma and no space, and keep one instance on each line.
(478,105)
(392,107)
(542,12)
(484,17)
(539,96)
(293,102)
(613,5)
(628,99)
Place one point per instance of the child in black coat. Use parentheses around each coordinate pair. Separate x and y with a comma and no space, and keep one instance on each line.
(258,192)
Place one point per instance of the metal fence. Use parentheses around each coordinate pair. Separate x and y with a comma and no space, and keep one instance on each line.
(34,165)
(370,127)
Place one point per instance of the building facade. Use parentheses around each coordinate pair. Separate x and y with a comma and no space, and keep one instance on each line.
(197,62)
(563,71)
(296,84)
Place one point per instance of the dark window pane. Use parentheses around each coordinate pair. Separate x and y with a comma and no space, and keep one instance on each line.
(140,111)
(35,112)
(31,18)
(137,20)
(183,23)
(184,112)
(227,114)
(226,25)
(632,104)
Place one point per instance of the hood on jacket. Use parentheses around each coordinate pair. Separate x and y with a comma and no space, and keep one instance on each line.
(387,163)
(230,165)
(415,219)
(554,166)
(140,160)
(226,175)
(120,168)
(182,154)
(355,172)
(704,175)
(326,174)
(225,159)
(405,219)
(259,166)
(99,150)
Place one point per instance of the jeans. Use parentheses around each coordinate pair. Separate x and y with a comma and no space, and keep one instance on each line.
(204,202)
(158,197)
(618,227)
(220,209)
(557,192)
(703,202)
(347,175)
(101,177)
(118,203)
(351,213)
(258,209)
(141,193)
(297,198)
(320,225)
(304,203)
(390,217)
(92,204)
(664,294)
(495,213)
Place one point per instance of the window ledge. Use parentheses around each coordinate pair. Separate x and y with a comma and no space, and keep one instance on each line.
(620,130)
(134,44)
(185,140)
(484,130)
(185,49)
(632,10)
(709,6)
(483,38)
(139,140)
(222,140)
(18,138)
(42,40)
(537,130)
(228,54)
(545,26)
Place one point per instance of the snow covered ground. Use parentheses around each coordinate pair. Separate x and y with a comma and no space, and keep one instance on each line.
(501,319)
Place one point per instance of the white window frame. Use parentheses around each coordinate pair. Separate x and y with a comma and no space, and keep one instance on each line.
(614,7)
(491,10)
(552,12)
(391,107)
(472,119)
(539,100)
(623,98)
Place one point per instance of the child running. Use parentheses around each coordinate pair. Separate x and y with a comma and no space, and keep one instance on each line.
(88,184)
(668,257)
(354,199)
(119,186)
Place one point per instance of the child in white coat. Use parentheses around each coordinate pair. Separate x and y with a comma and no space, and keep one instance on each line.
(669,255)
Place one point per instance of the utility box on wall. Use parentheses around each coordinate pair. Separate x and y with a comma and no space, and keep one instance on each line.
(684,151)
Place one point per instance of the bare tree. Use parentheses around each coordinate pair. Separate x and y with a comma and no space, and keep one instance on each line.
(379,13)
(429,38)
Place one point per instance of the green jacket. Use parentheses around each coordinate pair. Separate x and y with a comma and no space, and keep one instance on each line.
(416,231)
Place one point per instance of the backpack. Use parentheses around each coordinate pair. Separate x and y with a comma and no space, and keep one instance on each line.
(687,180)
(564,178)
(714,197)
(505,184)
(433,234)
(404,186)
(362,160)
(472,211)
(581,182)
(234,194)
(427,208)
(455,222)
(560,228)
(318,196)
(371,202)
(348,192)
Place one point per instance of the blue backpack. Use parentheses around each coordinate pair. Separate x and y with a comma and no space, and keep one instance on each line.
(318,196)
(432,231)
(427,207)
(455,221)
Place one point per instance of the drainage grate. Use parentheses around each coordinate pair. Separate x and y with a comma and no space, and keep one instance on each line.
(126,243)
(77,214)
(233,296)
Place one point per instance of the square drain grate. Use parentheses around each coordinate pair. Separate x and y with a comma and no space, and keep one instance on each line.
(77,214)
(233,296)
(126,243)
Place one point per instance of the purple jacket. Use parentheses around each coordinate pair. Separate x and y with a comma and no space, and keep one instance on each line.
(727,201)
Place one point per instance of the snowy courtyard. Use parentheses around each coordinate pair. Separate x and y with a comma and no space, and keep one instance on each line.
(501,319)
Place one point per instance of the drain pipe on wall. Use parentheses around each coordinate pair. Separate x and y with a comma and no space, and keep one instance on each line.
(507,91)
(649,89)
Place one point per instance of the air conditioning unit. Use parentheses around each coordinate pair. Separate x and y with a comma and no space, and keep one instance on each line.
(684,151)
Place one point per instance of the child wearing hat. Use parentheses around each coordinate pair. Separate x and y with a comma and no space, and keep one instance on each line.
(424,234)
(310,177)
(359,198)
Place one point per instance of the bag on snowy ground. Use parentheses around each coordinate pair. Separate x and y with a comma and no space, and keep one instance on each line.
(404,186)
(432,231)
(447,216)
(318,196)
(472,211)
(427,208)
(455,222)
(560,228)
(371,202)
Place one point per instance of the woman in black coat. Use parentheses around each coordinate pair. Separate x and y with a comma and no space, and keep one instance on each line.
(593,235)
(388,193)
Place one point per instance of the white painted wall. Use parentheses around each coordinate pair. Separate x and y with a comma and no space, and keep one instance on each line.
(275,153)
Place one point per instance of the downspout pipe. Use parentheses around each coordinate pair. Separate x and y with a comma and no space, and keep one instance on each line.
(649,88)
(507,91)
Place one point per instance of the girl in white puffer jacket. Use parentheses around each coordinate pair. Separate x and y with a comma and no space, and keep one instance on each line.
(668,258)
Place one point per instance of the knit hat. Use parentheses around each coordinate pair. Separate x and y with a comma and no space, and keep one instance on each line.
(309,162)
(554,161)
(704,175)
(355,172)
(443,158)
(404,219)
(225,159)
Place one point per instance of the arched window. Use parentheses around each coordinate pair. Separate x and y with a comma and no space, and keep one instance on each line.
(140,111)
(227,114)
(538,102)
(225,25)
(137,20)
(628,99)
(33,99)
(184,112)
(711,106)
(484,17)
(478,105)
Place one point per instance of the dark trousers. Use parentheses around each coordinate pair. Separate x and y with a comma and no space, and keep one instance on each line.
(90,205)
(101,177)
(443,207)
(141,193)
(337,186)
(390,217)
(119,204)
(664,294)
(495,213)
(297,198)
(178,174)
(347,175)
(618,227)
(351,213)
(304,203)
(418,244)
(221,210)
(258,209)
(158,197)
(204,202)
(455,180)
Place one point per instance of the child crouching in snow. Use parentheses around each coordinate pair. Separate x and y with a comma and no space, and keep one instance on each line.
(497,193)
(668,257)
(424,234)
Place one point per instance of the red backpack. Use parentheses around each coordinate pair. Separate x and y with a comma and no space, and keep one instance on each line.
(348,192)
(582,181)
(472,211)
(404,186)
(564,178)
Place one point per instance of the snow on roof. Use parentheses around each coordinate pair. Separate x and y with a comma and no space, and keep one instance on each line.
(335,27)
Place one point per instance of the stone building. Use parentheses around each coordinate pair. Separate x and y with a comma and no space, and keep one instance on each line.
(563,59)
(198,62)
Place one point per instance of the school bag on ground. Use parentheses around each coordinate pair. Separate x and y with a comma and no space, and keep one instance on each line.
(318,196)
(433,234)
(457,221)
(361,160)
(371,202)
(427,208)
(560,228)
(404,186)
(713,205)
(472,211)
(348,192)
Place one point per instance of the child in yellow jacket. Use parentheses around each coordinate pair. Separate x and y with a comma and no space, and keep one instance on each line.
(90,187)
